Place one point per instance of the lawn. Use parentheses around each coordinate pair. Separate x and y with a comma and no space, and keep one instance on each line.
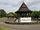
(4,28)
(3,19)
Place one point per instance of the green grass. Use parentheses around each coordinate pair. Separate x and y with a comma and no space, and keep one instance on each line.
(4,28)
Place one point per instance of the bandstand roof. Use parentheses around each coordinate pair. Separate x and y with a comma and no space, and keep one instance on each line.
(23,8)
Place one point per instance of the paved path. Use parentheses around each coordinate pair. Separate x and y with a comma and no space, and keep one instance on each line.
(21,27)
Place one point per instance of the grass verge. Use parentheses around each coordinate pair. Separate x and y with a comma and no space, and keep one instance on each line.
(4,28)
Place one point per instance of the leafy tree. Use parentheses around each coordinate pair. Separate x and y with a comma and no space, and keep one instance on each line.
(2,13)
(35,14)
(12,14)
(39,14)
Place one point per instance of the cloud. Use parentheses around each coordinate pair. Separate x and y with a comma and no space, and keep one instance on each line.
(10,5)
(34,5)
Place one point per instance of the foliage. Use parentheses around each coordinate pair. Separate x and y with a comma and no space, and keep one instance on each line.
(12,14)
(39,13)
(35,14)
(2,13)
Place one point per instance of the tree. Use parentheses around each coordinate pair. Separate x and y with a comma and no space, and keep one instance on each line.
(12,14)
(36,14)
(2,13)
(39,14)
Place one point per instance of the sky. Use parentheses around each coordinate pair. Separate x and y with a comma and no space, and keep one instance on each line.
(13,5)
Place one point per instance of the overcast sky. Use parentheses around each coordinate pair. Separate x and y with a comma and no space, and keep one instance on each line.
(13,5)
